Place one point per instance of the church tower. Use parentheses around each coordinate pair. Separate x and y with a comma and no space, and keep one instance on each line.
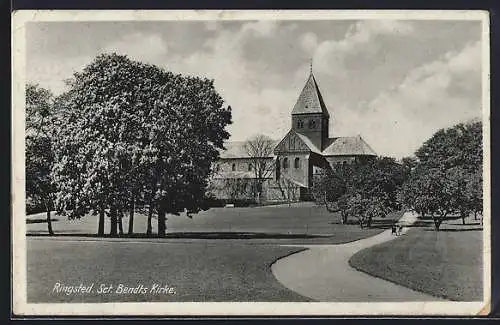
(310,116)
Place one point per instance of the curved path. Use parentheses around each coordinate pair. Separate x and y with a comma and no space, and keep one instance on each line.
(323,273)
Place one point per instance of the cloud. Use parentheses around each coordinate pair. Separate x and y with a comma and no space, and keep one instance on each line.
(309,42)
(263,28)
(210,25)
(394,82)
(51,72)
(435,95)
(330,54)
(140,46)
(255,107)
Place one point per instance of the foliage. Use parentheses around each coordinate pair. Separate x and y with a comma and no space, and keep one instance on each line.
(135,131)
(364,190)
(447,175)
(236,188)
(38,150)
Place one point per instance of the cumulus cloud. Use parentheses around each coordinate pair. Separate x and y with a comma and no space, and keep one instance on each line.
(210,25)
(395,106)
(330,54)
(264,28)
(51,72)
(309,42)
(435,95)
(140,46)
(255,108)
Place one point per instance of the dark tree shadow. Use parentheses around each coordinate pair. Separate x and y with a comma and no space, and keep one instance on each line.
(30,221)
(191,235)
(454,229)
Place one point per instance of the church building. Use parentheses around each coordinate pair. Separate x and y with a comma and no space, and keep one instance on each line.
(304,151)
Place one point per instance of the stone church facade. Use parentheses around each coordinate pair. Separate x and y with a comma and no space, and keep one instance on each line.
(306,150)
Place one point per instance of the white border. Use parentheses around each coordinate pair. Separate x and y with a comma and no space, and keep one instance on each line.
(19,303)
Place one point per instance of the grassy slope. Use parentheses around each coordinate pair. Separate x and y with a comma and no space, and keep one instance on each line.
(198,272)
(445,264)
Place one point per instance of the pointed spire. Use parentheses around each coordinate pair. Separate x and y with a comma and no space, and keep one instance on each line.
(311,66)
(310,99)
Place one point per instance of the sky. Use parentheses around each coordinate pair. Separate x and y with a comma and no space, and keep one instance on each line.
(394,82)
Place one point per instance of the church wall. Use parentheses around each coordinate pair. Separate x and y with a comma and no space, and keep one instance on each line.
(272,190)
(300,174)
(225,165)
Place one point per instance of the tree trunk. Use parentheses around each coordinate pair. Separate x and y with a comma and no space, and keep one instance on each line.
(369,222)
(437,221)
(114,222)
(49,223)
(100,229)
(120,222)
(131,218)
(343,217)
(149,229)
(475,215)
(463,218)
(161,223)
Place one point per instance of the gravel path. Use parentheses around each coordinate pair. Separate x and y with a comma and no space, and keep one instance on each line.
(323,273)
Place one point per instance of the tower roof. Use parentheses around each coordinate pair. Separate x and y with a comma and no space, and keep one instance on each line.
(310,99)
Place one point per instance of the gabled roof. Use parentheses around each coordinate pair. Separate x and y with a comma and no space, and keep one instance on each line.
(309,143)
(310,99)
(347,146)
(235,149)
(302,143)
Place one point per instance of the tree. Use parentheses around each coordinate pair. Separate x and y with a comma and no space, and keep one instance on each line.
(329,188)
(135,130)
(374,185)
(260,148)
(288,189)
(446,177)
(39,154)
(431,191)
(460,145)
(235,188)
(364,190)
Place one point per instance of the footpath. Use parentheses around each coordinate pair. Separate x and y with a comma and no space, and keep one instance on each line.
(322,273)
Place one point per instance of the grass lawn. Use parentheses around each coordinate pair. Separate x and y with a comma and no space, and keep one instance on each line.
(196,271)
(305,223)
(447,263)
(222,254)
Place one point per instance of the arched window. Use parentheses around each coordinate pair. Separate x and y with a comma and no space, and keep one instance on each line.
(285,163)
(300,124)
(249,167)
(233,167)
(296,163)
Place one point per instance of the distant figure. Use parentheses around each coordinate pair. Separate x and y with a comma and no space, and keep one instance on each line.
(400,230)
(393,230)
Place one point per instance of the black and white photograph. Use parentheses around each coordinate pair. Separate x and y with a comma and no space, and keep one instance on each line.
(251,163)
